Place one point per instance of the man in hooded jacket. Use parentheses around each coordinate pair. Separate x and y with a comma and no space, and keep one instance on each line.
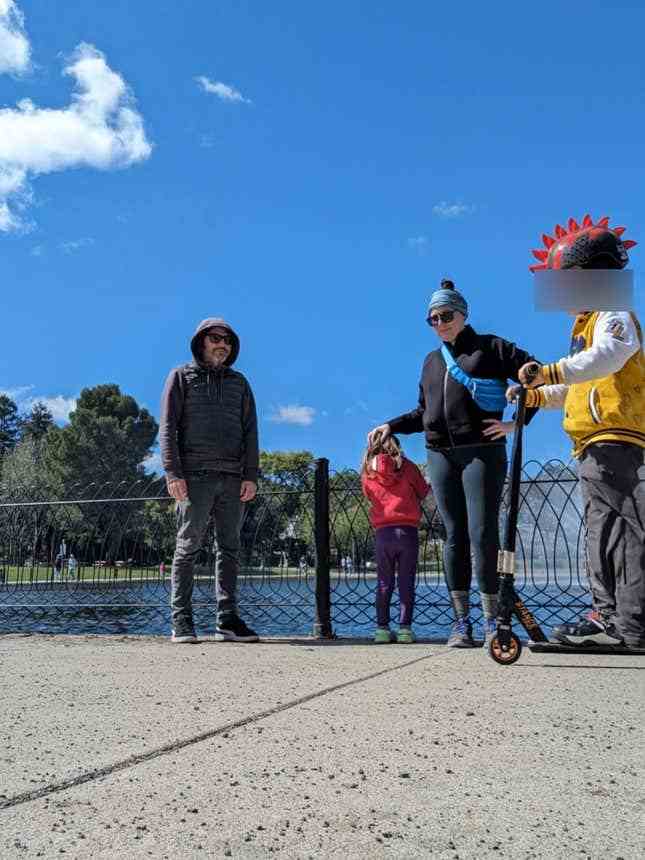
(209,451)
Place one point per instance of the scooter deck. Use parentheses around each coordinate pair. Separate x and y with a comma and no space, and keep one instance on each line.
(561,648)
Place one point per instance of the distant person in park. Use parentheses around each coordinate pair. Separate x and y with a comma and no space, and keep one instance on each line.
(601,386)
(395,488)
(209,450)
(460,410)
(72,566)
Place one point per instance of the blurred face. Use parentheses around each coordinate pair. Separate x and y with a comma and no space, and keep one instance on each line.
(447,322)
(218,343)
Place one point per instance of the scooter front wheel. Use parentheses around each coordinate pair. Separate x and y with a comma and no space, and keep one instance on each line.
(505,655)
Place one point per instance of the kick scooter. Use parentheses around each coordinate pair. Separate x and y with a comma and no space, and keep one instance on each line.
(505,646)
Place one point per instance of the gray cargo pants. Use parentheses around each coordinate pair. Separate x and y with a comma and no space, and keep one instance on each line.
(219,493)
(612,482)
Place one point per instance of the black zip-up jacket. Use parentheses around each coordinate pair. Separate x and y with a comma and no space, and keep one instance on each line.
(208,417)
(447,412)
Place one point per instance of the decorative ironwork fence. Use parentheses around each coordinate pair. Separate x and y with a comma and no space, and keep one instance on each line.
(99,561)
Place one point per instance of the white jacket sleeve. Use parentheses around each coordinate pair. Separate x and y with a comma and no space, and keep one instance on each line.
(551,396)
(615,340)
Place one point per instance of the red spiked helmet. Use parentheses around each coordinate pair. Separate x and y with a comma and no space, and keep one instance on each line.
(588,245)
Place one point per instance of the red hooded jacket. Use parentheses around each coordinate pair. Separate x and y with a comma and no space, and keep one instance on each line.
(395,494)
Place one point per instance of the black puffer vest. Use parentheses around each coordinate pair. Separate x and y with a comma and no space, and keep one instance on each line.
(210,433)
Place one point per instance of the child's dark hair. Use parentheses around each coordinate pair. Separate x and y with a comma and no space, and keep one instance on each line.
(390,445)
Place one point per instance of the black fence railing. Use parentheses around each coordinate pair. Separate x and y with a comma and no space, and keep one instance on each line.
(100,560)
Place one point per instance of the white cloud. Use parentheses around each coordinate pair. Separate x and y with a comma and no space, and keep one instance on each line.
(24,398)
(302,415)
(101,128)
(222,91)
(452,210)
(359,407)
(74,245)
(419,244)
(59,406)
(152,464)
(20,392)
(15,51)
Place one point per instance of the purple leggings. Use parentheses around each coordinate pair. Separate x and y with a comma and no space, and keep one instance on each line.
(397,548)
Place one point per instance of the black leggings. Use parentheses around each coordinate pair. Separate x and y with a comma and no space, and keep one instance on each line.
(467,484)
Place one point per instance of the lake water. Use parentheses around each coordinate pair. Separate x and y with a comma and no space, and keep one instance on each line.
(280,608)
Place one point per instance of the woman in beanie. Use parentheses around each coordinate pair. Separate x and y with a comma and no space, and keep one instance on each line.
(460,409)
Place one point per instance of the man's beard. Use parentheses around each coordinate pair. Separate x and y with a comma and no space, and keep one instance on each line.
(216,360)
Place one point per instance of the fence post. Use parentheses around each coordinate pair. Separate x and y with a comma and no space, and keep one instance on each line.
(322,623)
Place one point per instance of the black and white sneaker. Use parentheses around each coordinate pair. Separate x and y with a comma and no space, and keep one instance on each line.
(184,636)
(235,630)
(590,630)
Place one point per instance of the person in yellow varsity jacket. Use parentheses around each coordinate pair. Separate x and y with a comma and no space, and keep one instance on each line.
(601,385)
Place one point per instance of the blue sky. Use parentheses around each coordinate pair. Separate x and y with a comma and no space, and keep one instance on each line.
(334,162)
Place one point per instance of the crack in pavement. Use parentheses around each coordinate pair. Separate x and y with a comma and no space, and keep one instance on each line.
(141,758)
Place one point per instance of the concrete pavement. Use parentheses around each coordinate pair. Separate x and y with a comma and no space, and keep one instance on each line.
(134,747)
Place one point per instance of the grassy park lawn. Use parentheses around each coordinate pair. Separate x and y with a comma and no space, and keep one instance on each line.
(95,575)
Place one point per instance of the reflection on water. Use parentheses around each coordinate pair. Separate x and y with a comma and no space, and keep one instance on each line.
(278,608)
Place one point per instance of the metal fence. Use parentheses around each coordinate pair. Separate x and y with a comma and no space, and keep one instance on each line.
(99,560)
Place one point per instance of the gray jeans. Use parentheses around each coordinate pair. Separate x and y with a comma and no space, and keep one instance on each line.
(218,493)
(612,482)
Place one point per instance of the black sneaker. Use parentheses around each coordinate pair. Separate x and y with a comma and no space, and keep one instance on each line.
(184,636)
(591,630)
(234,630)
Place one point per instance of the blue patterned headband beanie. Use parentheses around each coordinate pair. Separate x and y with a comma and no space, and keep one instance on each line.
(449,297)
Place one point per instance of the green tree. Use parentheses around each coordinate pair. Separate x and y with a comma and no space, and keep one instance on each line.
(280,523)
(9,425)
(37,423)
(105,442)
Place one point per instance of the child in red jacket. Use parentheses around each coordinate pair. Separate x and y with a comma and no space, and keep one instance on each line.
(395,487)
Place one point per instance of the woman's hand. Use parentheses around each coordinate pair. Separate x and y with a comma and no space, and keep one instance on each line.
(513,392)
(383,430)
(498,429)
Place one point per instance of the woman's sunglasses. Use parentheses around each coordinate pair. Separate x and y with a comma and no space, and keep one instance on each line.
(444,317)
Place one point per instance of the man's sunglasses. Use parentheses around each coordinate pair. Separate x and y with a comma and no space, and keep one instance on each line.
(213,337)
(444,317)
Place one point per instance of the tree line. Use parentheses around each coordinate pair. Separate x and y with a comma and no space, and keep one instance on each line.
(106,440)
(104,446)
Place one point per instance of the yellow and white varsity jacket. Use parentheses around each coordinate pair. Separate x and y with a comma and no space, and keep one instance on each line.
(601,384)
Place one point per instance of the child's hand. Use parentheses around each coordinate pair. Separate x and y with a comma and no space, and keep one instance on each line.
(498,429)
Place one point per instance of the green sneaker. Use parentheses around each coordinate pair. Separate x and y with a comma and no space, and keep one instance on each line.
(382,636)
(405,636)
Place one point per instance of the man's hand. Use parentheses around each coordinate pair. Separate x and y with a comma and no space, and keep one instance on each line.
(383,430)
(248,491)
(530,374)
(512,393)
(498,429)
(178,489)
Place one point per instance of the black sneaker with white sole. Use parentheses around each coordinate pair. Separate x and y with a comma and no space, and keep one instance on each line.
(234,630)
(591,630)
(184,636)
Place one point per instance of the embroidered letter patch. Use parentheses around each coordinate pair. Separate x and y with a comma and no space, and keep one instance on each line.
(616,329)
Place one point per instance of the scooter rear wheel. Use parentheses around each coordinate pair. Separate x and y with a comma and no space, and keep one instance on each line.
(505,656)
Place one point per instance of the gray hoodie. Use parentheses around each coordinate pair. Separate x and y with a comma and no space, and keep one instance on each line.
(208,418)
